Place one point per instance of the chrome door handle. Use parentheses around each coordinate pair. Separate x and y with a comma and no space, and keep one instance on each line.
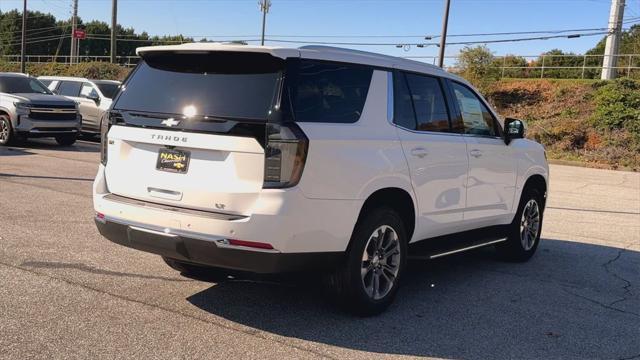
(475,153)
(419,152)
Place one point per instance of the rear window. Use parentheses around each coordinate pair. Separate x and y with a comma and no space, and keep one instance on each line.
(230,85)
(327,92)
(108,89)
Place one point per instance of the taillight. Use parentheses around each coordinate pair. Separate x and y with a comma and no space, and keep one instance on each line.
(108,119)
(104,129)
(285,155)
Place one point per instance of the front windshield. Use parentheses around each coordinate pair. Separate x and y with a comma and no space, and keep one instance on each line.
(108,89)
(22,85)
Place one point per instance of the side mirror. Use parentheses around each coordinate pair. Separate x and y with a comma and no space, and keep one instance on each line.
(95,98)
(513,129)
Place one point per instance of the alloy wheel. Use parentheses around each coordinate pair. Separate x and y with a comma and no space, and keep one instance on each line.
(529,224)
(380,262)
(4,130)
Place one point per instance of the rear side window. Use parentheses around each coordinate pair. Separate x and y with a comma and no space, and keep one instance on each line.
(328,92)
(420,103)
(69,88)
(428,102)
(476,116)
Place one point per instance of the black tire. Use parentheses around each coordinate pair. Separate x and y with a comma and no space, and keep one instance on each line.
(66,139)
(196,271)
(514,249)
(7,137)
(347,283)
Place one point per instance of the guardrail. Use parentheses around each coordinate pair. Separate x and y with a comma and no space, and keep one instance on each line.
(549,66)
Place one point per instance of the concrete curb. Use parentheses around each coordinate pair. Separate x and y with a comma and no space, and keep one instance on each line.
(589,165)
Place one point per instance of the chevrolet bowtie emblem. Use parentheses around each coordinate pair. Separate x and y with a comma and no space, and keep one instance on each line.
(170,122)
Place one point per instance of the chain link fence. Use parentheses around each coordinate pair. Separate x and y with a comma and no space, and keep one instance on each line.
(508,66)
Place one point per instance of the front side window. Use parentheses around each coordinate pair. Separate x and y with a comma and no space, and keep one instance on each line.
(327,92)
(476,116)
(88,91)
(22,85)
(69,88)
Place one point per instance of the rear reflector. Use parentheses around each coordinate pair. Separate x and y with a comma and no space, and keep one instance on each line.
(253,244)
(100,217)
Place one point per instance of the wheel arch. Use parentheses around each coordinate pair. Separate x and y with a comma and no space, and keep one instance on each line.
(536,181)
(5,111)
(396,198)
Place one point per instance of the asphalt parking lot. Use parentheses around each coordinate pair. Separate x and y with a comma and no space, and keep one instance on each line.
(65,292)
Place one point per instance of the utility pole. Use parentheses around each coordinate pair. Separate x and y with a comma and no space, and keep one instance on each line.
(264,7)
(443,37)
(114,23)
(74,26)
(612,46)
(23,47)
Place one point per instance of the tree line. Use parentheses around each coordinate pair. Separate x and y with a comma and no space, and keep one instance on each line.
(480,64)
(47,35)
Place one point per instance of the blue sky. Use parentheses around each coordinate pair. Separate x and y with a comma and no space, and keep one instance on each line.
(233,18)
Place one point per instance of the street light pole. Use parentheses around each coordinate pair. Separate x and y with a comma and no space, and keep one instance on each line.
(74,26)
(443,37)
(264,7)
(23,47)
(612,46)
(114,23)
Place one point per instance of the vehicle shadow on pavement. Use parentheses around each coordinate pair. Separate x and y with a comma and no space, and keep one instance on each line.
(571,300)
(93,270)
(23,147)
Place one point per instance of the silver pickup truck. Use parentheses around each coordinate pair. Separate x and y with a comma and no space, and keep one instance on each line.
(29,109)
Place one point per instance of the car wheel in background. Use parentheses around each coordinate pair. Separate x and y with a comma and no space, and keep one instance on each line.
(66,139)
(368,280)
(6,134)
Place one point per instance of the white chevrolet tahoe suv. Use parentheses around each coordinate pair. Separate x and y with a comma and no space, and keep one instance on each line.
(93,97)
(29,110)
(271,160)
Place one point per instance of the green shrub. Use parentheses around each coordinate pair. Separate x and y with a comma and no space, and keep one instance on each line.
(90,70)
(618,108)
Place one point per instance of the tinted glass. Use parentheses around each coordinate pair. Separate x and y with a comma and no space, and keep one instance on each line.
(46,82)
(222,84)
(69,88)
(108,90)
(428,102)
(328,92)
(20,84)
(403,113)
(475,115)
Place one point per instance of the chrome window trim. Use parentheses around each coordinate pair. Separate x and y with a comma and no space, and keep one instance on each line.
(447,133)
(484,136)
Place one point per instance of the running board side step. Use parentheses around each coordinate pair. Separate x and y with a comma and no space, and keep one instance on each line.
(452,244)
(451,252)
